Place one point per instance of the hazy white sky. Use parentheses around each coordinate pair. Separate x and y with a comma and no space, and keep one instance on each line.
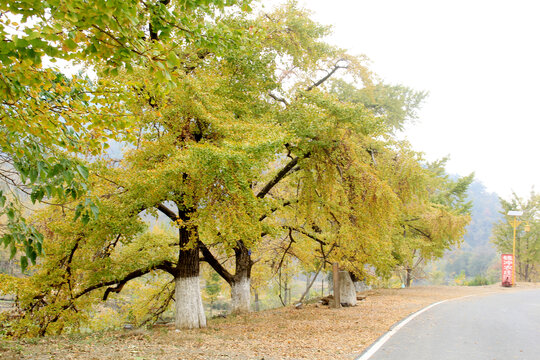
(480,62)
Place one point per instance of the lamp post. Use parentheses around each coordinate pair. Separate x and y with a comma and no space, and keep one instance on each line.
(515,223)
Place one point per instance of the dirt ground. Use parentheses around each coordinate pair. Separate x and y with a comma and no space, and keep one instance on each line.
(313,332)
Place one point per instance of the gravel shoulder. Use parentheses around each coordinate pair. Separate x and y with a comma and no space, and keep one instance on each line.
(313,332)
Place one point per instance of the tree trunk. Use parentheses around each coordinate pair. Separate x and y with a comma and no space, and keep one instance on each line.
(336,285)
(241,281)
(310,284)
(257,305)
(347,292)
(189,307)
(408,279)
(288,293)
(241,295)
(285,289)
(359,285)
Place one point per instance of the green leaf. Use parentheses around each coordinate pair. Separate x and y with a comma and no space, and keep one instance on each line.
(11,214)
(78,211)
(32,255)
(41,167)
(24,263)
(85,219)
(6,240)
(37,195)
(33,175)
(95,210)
(83,170)
(39,247)
(13,250)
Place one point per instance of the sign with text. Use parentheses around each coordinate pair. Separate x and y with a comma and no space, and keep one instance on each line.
(507,261)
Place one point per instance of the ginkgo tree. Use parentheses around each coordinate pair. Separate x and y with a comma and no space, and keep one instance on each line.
(431,211)
(413,214)
(317,124)
(50,120)
(432,221)
(200,145)
(355,208)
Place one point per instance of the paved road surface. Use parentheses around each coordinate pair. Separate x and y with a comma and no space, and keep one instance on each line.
(490,327)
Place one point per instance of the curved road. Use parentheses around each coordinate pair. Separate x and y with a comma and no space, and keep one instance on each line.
(488,327)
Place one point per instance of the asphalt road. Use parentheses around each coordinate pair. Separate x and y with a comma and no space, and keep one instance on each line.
(503,326)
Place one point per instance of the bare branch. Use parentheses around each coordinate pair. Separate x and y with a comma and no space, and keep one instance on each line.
(311,283)
(327,76)
(286,250)
(277,98)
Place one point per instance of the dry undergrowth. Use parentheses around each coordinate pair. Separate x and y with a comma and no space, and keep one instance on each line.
(313,332)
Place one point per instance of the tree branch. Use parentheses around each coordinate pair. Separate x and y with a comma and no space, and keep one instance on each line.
(277,98)
(319,82)
(274,209)
(215,264)
(280,175)
(311,236)
(168,212)
(421,232)
(311,282)
(115,39)
(164,306)
(418,261)
(372,153)
(165,266)
(286,251)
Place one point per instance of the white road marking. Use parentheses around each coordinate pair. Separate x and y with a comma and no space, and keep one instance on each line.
(380,342)
(377,345)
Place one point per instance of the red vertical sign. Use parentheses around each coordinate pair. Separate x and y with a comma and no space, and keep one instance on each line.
(507,261)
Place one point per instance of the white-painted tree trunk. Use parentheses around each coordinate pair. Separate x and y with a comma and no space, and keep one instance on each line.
(347,290)
(189,307)
(241,296)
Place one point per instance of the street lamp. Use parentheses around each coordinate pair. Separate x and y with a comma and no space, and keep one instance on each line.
(515,223)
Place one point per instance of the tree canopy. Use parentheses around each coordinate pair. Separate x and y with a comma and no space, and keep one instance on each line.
(527,234)
(50,120)
(239,130)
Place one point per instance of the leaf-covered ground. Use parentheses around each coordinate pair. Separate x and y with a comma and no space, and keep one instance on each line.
(313,332)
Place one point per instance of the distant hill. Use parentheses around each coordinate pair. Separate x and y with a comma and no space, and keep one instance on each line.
(476,256)
(485,212)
